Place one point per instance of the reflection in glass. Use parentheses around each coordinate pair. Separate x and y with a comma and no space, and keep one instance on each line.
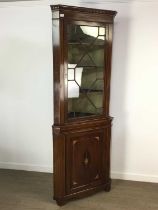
(73,89)
(74,86)
(86,47)
(71,74)
(101,31)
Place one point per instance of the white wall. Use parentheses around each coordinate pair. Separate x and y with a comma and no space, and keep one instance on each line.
(26,89)
(134,101)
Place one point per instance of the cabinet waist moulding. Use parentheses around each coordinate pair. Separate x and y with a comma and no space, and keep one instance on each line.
(82,49)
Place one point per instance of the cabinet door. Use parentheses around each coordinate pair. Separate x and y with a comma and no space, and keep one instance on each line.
(87,159)
(85,70)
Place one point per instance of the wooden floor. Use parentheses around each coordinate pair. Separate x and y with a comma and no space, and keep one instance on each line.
(21,190)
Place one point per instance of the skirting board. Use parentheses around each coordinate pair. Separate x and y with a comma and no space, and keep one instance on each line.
(135,177)
(26,167)
(49,169)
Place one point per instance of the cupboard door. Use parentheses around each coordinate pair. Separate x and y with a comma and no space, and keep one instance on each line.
(86,160)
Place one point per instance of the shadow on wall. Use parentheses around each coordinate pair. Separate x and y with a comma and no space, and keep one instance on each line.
(118,95)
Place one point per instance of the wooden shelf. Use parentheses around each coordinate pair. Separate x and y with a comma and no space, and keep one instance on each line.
(90,91)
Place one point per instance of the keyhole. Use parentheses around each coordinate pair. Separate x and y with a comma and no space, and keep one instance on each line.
(86,159)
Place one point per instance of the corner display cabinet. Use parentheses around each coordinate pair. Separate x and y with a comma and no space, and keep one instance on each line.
(82,48)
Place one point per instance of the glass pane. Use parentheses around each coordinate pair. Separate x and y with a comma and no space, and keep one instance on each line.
(96,99)
(76,105)
(71,74)
(88,77)
(73,89)
(97,55)
(86,47)
(78,75)
(101,31)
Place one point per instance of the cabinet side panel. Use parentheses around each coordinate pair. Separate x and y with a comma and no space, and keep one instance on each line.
(59,163)
(106,153)
(58,71)
(56,68)
(108,66)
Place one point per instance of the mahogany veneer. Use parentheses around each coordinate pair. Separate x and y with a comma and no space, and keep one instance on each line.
(82,125)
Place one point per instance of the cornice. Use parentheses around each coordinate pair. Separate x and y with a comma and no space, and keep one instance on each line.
(83,9)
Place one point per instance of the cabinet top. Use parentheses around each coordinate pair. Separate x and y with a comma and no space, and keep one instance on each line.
(60,7)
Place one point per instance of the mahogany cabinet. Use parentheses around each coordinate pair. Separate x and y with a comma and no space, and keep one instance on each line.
(82,49)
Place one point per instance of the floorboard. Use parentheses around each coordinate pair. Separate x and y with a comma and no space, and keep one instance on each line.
(21,190)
